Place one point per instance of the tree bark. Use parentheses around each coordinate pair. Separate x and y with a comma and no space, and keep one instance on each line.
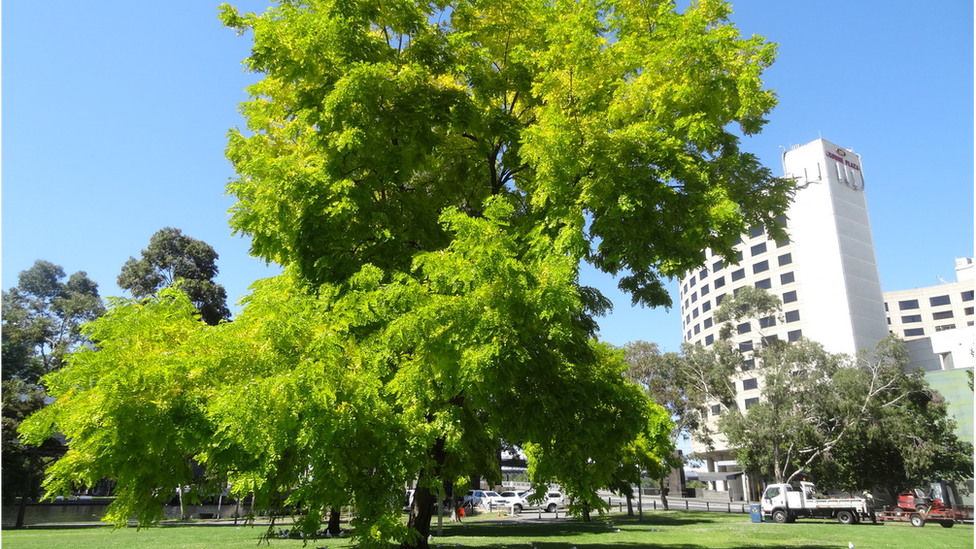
(422,510)
(664,492)
(334,522)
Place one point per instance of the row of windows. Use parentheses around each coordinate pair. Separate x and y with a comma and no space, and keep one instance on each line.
(936,301)
(788,297)
(766,283)
(912,332)
(791,336)
(755,250)
(750,402)
(940,315)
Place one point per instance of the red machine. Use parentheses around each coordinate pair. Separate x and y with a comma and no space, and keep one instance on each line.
(918,508)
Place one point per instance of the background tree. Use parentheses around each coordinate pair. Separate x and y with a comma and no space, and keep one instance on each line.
(42,316)
(174,257)
(856,423)
(430,176)
(669,381)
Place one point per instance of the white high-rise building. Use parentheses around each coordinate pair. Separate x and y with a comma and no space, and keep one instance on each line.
(826,275)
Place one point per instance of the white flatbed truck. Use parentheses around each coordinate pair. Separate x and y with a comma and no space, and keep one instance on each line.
(785,503)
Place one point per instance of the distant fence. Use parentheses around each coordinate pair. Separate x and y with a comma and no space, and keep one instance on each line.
(84,511)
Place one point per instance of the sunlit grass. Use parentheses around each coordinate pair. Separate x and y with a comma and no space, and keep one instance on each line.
(658,529)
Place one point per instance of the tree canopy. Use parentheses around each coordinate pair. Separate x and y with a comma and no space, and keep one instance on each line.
(174,258)
(430,175)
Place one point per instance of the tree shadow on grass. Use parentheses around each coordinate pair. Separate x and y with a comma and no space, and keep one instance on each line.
(619,531)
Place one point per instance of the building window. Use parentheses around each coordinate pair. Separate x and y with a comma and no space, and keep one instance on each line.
(744,328)
(738,275)
(706,306)
(968,310)
(703,274)
(751,383)
(748,364)
(886,306)
(941,315)
(967,296)
(781,243)
(945,327)
(785,259)
(908,304)
(708,323)
(767,322)
(765,284)
(769,340)
(694,312)
(795,335)
(911,318)
(709,339)
(718,300)
(687,319)
(939,300)
(750,402)
(789,297)
(704,289)
(792,316)
(738,256)
(786,278)
(718,265)
(760,267)
(716,409)
(719,282)
(697,329)
(694,297)
(914,332)
(688,336)
(758,249)
(756,231)
(692,281)
(745,346)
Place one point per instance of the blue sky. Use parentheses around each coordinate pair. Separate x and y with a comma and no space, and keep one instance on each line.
(114,117)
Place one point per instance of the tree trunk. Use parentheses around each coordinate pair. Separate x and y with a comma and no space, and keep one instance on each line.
(421,513)
(334,521)
(664,492)
(630,505)
(422,510)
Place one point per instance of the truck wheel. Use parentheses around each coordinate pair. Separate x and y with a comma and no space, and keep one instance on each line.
(517,508)
(780,516)
(551,508)
(845,517)
(917,520)
(947,523)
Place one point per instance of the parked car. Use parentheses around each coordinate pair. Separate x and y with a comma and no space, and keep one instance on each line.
(515,501)
(550,501)
(484,498)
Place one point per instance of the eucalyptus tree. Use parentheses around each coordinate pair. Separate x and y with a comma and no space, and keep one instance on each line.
(42,317)
(430,176)
(175,258)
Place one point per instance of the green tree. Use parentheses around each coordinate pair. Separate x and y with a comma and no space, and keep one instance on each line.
(42,316)
(670,382)
(430,176)
(172,258)
(855,423)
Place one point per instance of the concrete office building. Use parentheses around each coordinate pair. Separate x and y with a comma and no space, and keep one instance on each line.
(936,323)
(826,275)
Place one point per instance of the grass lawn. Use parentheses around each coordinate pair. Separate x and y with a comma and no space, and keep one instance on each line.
(664,529)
